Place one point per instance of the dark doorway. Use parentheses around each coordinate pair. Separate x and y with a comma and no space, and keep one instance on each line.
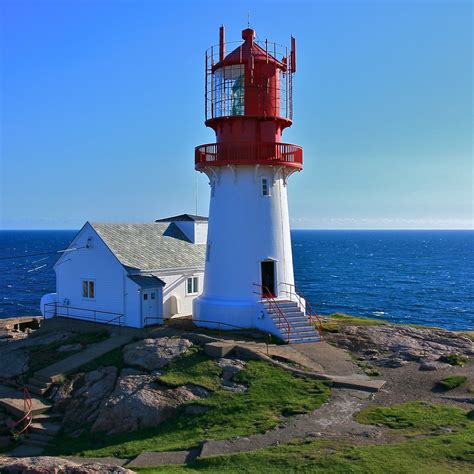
(268,278)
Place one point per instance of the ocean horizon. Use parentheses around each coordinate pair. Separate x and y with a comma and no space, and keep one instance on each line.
(402,276)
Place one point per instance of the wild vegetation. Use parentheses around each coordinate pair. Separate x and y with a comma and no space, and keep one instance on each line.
(272,395)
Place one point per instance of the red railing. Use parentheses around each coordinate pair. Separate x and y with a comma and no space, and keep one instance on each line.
(312,315)
(266,295)
(249,153)
(22,425)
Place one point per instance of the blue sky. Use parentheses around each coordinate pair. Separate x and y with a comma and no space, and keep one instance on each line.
(102,106)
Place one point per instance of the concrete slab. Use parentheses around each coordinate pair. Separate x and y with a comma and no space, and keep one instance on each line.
(24,451)
(12,400)
(218,349)
(150,459)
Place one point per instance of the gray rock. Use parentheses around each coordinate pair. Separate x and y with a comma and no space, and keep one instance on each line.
(89,391)
(433,365)
(229,368)
(152,354)
(48,465)
(138,402)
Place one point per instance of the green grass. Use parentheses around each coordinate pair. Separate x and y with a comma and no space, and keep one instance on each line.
(454,359)
(44,355)
(452,453)
(454,381)
(419,417)
(272,394)
(431,453)
(111,358)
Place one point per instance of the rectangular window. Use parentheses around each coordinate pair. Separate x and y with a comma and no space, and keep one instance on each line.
(192,287)
(153,296)
(88,289)
(208,252)
(265,188)
(145,296)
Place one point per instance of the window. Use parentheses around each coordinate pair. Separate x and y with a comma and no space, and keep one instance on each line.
(192,287)
(153,295)
(229,91)
(208,252)
(145,296)
(88,289)
(213,188)
(265,187)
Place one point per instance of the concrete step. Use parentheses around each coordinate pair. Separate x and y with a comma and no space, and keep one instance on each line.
(46,437)
(293,324)
(24,451)
(304,340)
(38,389)
(12,400)
(46,427)
(35,442)
(298,334)
(48,417)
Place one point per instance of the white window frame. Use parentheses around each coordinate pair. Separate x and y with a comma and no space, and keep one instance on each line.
(88,281)
(194,285)
(265,182)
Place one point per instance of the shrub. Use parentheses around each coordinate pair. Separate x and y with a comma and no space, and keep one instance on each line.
(454,359)
(452,382)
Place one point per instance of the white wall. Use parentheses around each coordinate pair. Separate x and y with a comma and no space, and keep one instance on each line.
(196,232)
(245,228)
(96,263)
(176,285)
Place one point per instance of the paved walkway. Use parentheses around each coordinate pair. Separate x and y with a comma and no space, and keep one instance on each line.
(92,352)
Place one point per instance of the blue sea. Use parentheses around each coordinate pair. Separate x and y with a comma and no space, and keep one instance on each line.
(421,277)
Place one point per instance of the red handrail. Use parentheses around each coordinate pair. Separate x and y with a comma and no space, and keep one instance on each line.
(266,294)
(27,417)
(308,308)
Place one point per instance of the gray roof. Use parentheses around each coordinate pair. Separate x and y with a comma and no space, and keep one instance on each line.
(184,217)
(151,246)
(147,281)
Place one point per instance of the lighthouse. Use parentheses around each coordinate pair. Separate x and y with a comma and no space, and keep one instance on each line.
(248,278)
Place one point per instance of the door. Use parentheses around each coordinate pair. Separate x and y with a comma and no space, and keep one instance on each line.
(268,278)
(150,306)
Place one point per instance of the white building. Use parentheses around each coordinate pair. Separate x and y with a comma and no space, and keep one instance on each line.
(131,274)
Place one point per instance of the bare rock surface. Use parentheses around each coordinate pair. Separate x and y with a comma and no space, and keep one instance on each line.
(14,360)
(152,354)
(139,402)
(230,367)
(395,346)
(82,397)
(55,465)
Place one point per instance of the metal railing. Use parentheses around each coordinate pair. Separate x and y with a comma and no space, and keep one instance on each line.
(306,305)
(21,426)
(55,309)
(249,153)
(267,296)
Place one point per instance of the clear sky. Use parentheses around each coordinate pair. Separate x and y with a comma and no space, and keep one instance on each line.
(102,106)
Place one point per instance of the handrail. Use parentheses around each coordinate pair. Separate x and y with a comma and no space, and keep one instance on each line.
(265,293)
(27,417)
(66,314)
(307,306)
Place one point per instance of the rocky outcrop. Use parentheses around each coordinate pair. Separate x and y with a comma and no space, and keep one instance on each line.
(81,398)
(54,465)
(139,402)
(229,368)
(395,346)
(153,354)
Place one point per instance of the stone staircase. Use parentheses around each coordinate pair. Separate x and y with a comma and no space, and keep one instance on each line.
(300,330)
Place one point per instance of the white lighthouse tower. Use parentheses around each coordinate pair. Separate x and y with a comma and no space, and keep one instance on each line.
(248,280)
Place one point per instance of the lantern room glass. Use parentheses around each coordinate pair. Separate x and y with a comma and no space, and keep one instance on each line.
(229,91)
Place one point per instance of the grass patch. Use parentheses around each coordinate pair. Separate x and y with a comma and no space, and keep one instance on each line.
(452,382)
(443,454)
(419,417)
(272,394)
(454,359)
(336,321)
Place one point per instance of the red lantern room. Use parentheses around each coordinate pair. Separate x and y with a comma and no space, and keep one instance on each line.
(248,103)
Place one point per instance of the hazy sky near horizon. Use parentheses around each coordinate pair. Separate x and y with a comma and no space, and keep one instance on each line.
(102,106)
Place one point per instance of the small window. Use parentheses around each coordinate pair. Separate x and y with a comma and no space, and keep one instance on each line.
(213,188)
(192,287)
(265,187)
(208,252)
(88,289)
(153,295)
(145,296)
